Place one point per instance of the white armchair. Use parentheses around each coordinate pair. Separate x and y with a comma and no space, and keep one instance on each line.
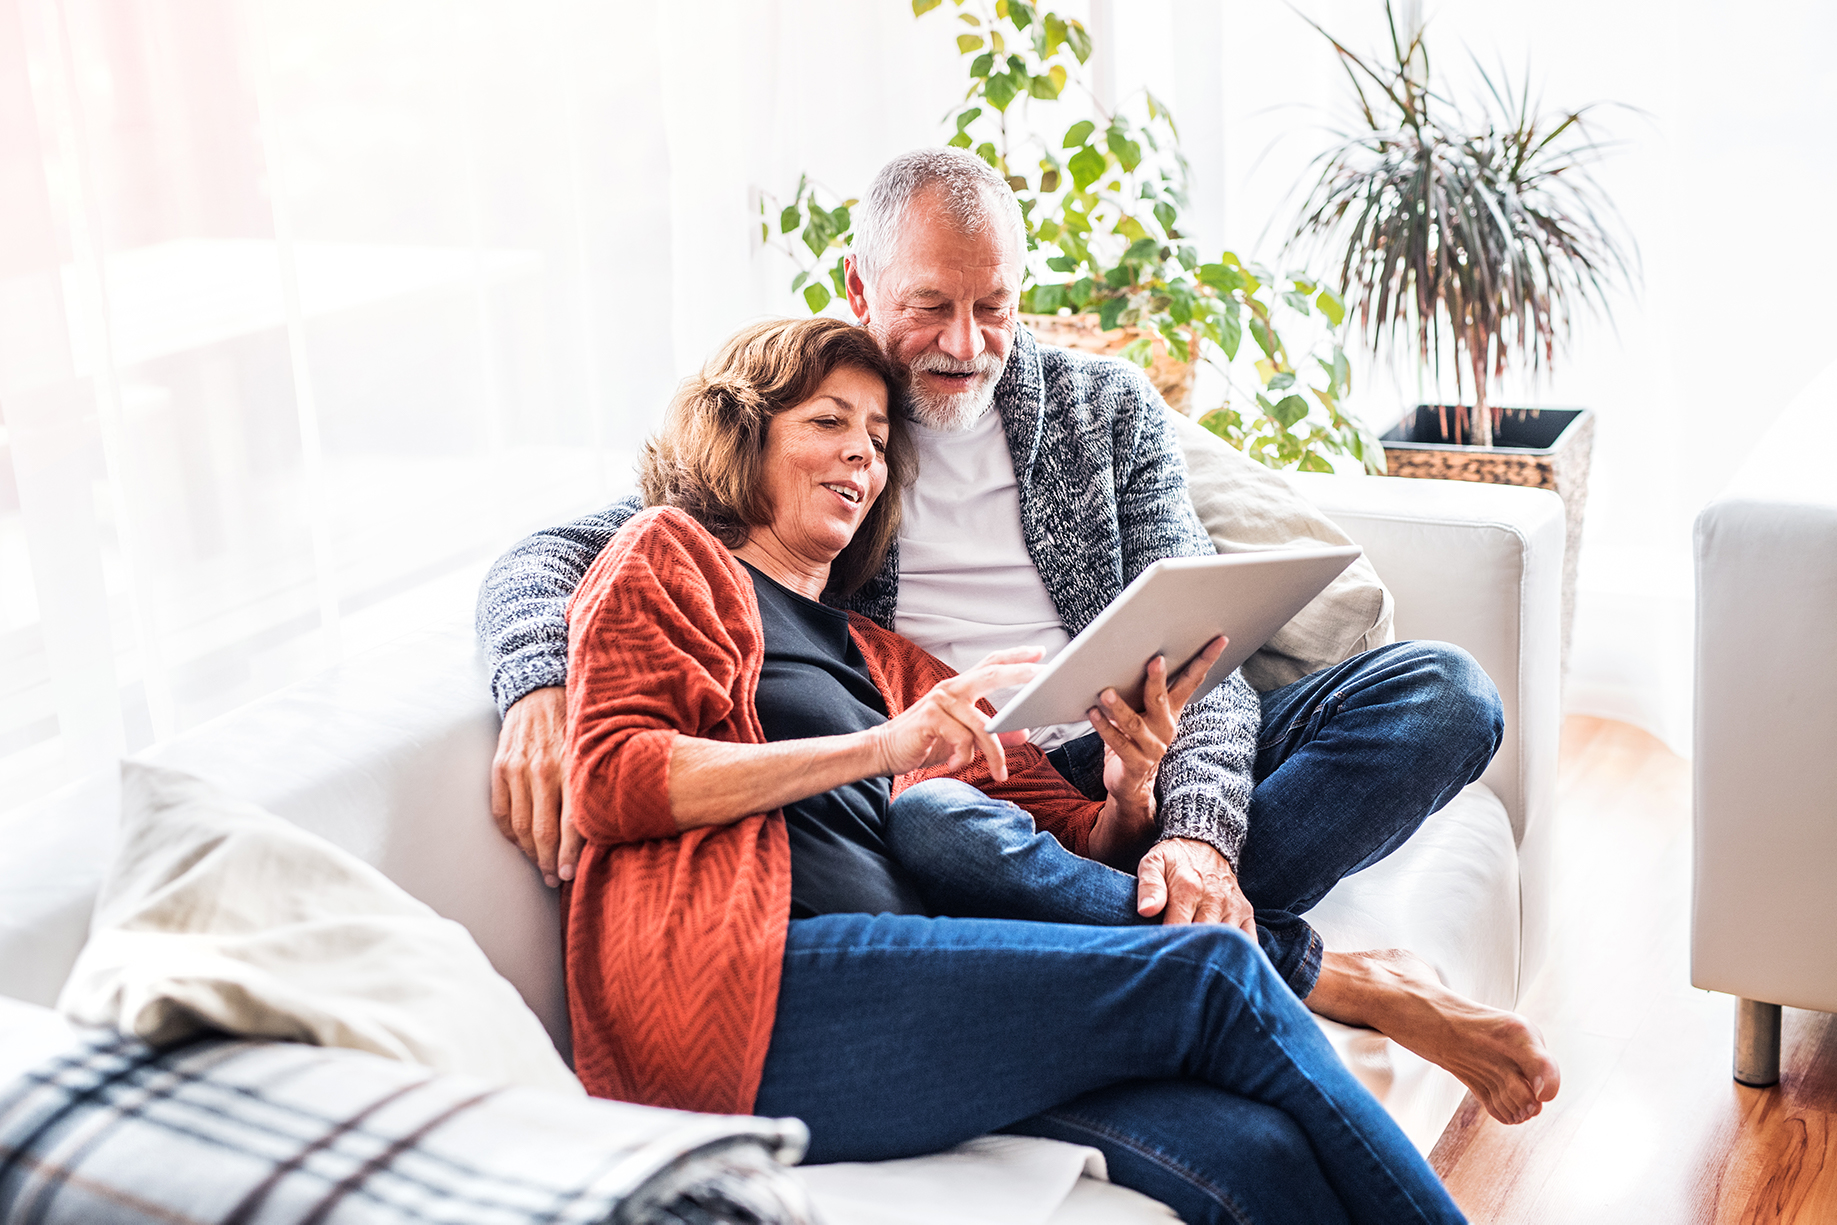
(1764,909)
(387,755)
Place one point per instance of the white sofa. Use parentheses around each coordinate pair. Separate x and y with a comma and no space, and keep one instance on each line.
(1764,912)
(387,756)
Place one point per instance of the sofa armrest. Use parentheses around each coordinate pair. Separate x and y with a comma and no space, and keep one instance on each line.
(1480,566)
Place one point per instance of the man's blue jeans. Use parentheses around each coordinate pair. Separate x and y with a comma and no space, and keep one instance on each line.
(1176,1051)
(1350,761)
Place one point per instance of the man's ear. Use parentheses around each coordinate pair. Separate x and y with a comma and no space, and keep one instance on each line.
(857,290)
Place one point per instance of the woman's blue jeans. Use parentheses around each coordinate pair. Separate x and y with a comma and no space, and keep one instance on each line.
(1177,1051)
(1182,1053)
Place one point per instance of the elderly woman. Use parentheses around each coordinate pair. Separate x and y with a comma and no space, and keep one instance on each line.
(751,927)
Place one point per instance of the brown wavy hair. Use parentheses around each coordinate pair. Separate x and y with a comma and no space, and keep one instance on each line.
(708,456)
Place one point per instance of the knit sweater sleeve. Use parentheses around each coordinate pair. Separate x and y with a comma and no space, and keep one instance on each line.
(661,640)
(1205,779)
(522,604)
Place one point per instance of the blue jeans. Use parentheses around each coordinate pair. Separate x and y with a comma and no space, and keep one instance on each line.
(1350,762)
(1177,1051)
(1051,1008)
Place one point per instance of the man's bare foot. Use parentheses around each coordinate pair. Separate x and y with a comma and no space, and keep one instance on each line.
(1498,1055)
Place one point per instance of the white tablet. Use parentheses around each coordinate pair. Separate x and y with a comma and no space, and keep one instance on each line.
(1174,608)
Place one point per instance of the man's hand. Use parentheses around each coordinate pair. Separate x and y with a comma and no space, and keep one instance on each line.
(528,798)
(1192,883)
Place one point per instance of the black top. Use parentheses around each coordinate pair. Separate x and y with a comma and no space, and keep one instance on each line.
(814,682)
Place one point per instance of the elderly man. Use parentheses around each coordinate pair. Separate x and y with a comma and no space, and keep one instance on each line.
(1026,521)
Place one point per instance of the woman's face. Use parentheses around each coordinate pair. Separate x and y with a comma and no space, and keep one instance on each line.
(826,463)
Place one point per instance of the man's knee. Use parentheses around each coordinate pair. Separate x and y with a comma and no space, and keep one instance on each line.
(1457,688)
(940,818)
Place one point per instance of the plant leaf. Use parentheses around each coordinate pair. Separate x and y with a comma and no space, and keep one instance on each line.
(1110,313)
(1078,133)
(1289,410)
(1331,306)
(1140,351)
(1055,35)
(921,7)
(1313,461)
(817,296)
(1087,166)
(1231,335)
(1260,332)
(967,43)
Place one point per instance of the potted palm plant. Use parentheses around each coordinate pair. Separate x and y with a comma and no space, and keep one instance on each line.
(1473,235)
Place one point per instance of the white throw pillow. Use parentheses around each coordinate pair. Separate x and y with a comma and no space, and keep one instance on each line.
(1245,506)
(218,915)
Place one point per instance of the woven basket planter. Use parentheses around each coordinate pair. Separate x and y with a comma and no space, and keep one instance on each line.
(1540,448)
(1173,379)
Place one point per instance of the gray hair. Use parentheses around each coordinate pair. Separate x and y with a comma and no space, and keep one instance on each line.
(974,196)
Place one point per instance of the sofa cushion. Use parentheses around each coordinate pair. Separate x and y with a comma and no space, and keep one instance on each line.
(1245,506)
(217,915)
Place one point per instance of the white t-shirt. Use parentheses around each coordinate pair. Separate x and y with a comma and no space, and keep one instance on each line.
(966,583)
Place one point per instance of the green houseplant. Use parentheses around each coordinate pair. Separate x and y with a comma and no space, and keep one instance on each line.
(1109,267)
(1478,236)
(1485,229)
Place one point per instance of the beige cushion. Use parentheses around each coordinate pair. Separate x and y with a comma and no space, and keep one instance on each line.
(217,915)
(1246,507)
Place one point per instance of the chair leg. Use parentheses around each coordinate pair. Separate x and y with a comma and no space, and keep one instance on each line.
(1757,1043)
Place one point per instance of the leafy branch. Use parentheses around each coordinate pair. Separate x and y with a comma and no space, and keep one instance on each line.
(1103,197)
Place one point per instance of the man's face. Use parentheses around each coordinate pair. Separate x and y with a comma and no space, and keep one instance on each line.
(944,307)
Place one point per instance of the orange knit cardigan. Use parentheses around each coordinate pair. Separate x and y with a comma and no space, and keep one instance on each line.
(674,941)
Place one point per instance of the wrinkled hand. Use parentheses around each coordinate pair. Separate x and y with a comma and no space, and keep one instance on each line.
(1187,881)
(528,796)
(944,728)
(1135,741)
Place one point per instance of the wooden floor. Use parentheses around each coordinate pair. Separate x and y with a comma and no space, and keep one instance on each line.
(1649,1127)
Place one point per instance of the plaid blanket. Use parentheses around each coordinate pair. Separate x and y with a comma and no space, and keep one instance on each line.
(241,1132)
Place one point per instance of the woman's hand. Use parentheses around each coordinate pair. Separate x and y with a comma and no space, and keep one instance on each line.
(944,728)
(1133,744)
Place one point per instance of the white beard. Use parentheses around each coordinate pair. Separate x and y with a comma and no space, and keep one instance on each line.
(954,413)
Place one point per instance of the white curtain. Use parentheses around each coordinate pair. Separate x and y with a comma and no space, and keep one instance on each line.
(308,308)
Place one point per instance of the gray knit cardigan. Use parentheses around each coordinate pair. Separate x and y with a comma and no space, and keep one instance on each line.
(1102,496)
